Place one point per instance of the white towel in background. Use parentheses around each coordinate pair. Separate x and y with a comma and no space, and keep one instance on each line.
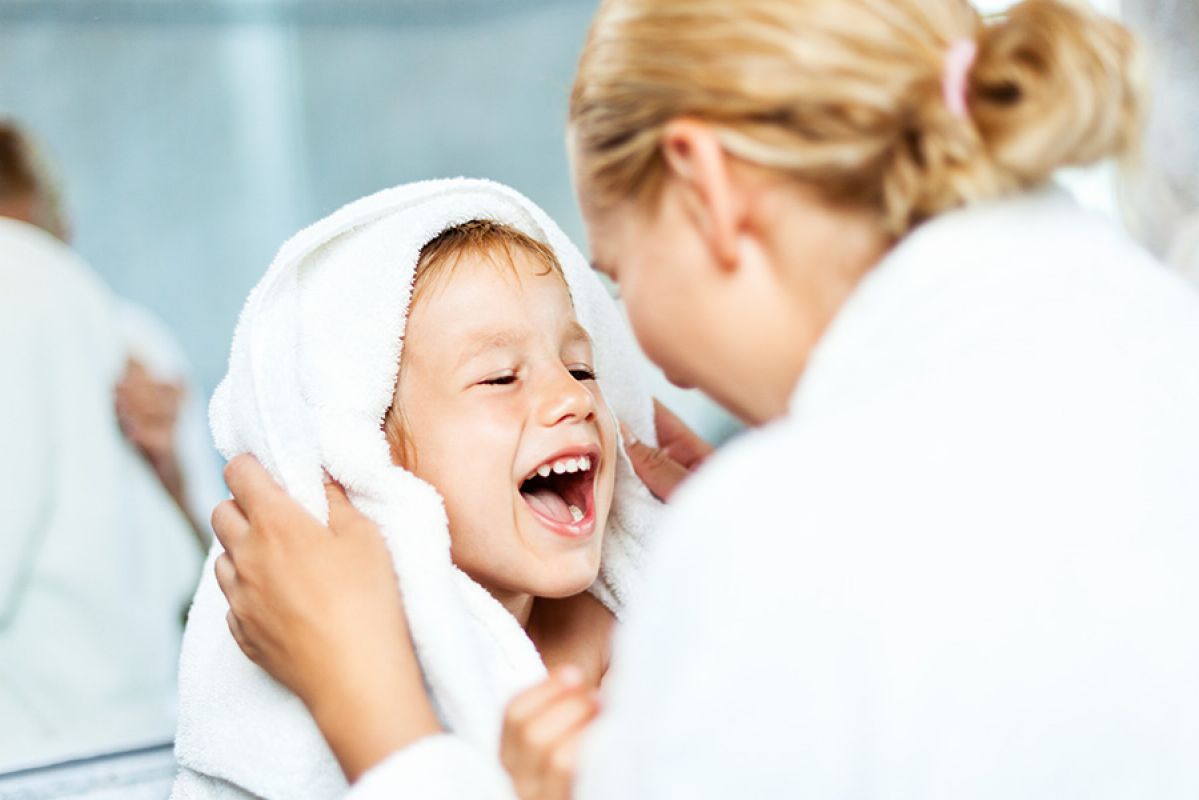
(311,375)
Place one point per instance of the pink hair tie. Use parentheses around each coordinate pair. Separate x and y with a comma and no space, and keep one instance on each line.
(954,83)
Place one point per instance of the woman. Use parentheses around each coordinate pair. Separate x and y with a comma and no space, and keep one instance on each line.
(955,559)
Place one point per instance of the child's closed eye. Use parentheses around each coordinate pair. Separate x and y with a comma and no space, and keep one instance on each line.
(582,373)
(499,380)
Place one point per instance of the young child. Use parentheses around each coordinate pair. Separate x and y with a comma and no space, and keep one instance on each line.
(438,349)
(499,408)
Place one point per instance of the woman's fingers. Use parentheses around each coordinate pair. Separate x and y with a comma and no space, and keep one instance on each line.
(683,444)
(560,771)
(526,704)
(226,575)
(559,718)
(229,525)
(238,636)
(660,472)
(680,452)
(344,518)
(253,487)
(542,727)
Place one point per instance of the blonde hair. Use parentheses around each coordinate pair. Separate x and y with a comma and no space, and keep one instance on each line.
(847,95)
(26,170)
(493,241)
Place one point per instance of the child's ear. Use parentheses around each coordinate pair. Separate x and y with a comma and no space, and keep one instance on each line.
(700,168)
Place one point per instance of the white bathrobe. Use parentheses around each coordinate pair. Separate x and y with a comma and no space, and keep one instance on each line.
(962,565)
(96,562)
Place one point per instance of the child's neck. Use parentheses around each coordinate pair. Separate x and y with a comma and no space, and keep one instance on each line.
(518,605)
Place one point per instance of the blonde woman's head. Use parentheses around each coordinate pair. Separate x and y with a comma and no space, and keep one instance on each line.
(848,96)
(742,165)
(29,185)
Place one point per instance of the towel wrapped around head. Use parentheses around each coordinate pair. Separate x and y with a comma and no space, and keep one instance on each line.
(312,373)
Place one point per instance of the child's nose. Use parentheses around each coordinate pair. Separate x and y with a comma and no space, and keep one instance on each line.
(565,399)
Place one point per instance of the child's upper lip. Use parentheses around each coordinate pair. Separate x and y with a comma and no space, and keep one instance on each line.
(573,451)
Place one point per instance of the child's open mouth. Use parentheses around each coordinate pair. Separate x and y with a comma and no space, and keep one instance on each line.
(561,493)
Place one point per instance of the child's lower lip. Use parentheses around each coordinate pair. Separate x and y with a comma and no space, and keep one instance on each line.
(571,530)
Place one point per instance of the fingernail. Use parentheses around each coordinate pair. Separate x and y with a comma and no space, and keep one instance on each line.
(570,676)
(326,478)
(629,438)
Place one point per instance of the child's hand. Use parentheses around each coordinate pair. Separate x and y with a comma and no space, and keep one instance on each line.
(680,452)
(319,608)
(543,728)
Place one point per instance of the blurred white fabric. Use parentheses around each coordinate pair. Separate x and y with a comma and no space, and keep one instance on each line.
(1161,195)
(961,567)
(96,562)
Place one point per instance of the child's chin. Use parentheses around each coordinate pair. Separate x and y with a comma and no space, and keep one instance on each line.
(567,585)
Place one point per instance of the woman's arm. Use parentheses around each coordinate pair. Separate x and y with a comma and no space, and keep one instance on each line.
(148,413)
(319,609)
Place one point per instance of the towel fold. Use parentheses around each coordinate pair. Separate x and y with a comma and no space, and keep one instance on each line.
(311,375)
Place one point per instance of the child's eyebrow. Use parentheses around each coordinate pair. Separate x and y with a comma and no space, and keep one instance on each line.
(491,340)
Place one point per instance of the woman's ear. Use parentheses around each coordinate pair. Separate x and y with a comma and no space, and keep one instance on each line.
(700,166)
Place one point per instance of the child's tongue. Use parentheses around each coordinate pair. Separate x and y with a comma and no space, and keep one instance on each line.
(550,503)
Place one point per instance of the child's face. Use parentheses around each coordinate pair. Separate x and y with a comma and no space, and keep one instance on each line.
(498,383)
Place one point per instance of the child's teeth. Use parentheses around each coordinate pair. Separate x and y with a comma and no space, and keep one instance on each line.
(580,464)
(576,513)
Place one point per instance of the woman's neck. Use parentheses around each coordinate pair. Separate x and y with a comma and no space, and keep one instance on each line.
(819,254)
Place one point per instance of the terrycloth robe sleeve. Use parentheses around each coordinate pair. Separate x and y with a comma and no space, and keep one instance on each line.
(442,767)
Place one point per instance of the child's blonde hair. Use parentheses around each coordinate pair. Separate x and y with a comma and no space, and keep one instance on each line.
(486,239)
(847,95)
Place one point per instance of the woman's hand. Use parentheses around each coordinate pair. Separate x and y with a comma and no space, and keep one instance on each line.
(147,411)
(319,608)
(680,452)
(543,728)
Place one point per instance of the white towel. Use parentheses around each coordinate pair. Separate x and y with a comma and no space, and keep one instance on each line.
(311,375)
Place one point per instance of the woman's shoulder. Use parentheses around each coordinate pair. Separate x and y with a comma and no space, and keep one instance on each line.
(1011,288)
